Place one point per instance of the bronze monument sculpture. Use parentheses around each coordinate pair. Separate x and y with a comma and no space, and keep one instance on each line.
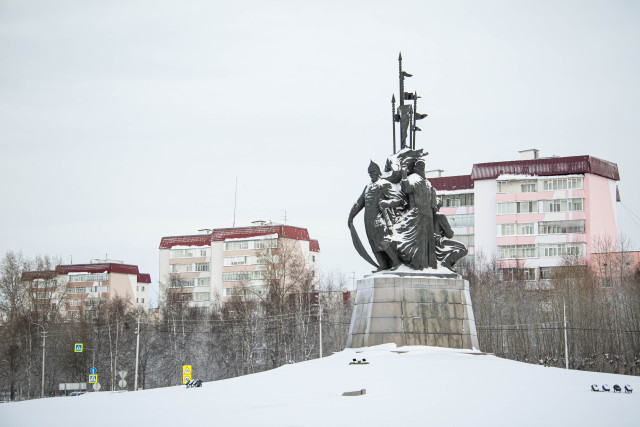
(401,215)
(414,297)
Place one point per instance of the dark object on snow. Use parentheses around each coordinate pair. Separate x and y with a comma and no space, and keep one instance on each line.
(616,388)
(194,383)
(355,393)
(605,387)
(628,389)
(594,387)
(359,362)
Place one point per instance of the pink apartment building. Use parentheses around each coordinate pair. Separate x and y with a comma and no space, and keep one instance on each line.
(533,213)
(75,286)
(198,268)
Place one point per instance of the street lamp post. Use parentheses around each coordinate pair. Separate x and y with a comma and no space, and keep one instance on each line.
(44,341)
(135,380)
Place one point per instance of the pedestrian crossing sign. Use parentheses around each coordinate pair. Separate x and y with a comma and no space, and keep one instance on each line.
(93,378)
(77,348)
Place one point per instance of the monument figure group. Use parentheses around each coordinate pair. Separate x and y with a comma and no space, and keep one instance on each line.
(401,211)
(420,303)
(402,218)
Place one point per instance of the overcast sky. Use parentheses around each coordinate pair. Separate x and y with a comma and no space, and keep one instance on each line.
(125,121)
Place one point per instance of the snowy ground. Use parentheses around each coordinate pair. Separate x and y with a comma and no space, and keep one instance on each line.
(424,386)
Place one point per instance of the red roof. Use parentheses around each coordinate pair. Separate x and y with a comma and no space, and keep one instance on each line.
(33,275)
(100,268)
(144,278)
(314,246)
(221,234)
(286,231)
(547,167)
(450,183)
(196,240)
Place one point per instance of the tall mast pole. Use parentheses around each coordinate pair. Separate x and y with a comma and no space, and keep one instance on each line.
(412,144)
(393,120)
(401,79)
(415,111)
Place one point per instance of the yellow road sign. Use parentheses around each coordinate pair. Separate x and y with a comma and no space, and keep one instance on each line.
(93,378)
(77,347)
(186,369)
(186,378)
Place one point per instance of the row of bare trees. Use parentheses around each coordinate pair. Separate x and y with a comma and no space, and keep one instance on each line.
(279,322)
(525,320)
(258,329)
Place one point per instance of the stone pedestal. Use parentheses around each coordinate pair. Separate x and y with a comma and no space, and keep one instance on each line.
(413,309)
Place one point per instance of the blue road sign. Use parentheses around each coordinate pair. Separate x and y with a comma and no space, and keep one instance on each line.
(93,371)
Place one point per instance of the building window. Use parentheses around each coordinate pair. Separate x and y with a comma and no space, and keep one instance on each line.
(561,227)
(203,266)
(188,253)
(181,283)
(181,268)
(517,251)
(456,200)
(507,229)
(517,207)
(265,244)
(236,276)
(509,274)
(182,253)
(245,291)
(528,207)
(562,183)
(239,276)
(518,186)
(562,205)
(236,246)
(142,300)
(236,260)
(204,281)
(525,229)
(313,258)
(465,239)
(464,220)
(562,249)
(100,277)
(201,296)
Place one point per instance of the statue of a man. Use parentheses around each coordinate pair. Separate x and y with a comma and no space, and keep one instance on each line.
(377,221)
(448,251)
(417,244)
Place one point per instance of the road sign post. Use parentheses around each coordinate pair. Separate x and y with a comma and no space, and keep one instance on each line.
(187,373)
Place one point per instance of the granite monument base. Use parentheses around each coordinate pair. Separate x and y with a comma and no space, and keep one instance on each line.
(415,308)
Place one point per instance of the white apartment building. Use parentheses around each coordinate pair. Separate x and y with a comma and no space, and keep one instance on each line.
(533,213)
(197,268)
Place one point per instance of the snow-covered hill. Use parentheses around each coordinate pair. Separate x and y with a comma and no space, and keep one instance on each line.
(407,386)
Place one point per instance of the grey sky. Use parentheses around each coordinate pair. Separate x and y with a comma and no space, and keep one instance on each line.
(125,121)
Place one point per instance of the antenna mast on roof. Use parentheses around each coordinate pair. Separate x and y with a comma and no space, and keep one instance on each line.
(235,202)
